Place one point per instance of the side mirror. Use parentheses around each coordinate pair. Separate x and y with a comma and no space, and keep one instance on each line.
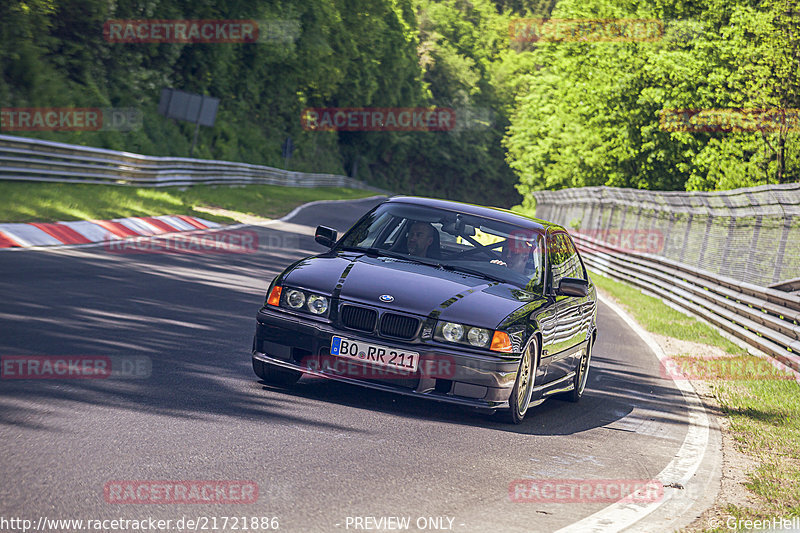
(573,287)
(325,236)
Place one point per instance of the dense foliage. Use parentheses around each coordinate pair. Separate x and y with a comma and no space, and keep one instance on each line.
(542,115)
(589,112)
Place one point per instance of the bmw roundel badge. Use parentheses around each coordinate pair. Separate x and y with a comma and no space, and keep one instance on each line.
(387,298)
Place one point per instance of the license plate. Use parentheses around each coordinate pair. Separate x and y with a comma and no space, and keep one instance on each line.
(375,354)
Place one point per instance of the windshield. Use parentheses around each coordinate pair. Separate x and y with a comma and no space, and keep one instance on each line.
(456,241)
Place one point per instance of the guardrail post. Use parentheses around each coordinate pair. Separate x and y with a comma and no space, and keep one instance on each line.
(787,225)
(751,258)
(685,242)
(588,222)
(709,223)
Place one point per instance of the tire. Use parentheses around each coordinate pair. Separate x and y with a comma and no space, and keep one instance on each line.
(520,398)
(274,375)
(581,376)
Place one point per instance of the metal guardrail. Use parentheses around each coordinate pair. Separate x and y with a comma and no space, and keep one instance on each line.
(750,234)
(765,318)
(28,159)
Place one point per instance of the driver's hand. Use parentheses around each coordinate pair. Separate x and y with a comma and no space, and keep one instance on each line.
(498,262)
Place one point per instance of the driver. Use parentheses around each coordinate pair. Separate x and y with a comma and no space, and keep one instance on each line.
(420,237)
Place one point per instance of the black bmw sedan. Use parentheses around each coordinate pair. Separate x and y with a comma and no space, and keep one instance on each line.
(458,303)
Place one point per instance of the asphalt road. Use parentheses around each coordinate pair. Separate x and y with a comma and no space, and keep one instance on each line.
(321,454)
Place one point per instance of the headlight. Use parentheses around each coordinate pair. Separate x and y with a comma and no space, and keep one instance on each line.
(478,337)
(453,332)
(317,304)
(295,299)
(300,300)
(463,334)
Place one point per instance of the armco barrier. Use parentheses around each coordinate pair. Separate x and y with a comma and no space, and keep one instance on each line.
(765,318)
(28,159)
(750,234)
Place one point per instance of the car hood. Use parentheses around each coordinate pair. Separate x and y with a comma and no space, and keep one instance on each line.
(415,288)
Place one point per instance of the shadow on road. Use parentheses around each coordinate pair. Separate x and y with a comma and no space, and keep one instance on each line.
(193,316)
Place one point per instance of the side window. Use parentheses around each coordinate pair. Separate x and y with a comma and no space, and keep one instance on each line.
(556,258)
(391,239)
(367,234)
(576,268)
(563,258)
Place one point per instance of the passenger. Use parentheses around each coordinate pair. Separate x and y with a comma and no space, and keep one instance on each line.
(515,255)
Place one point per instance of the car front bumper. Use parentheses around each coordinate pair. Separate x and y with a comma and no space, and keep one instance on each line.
(446,375)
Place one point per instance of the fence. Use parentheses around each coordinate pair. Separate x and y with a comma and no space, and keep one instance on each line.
(36,160)
(731,257)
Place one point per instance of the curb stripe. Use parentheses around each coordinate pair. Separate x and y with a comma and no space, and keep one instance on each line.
(80,232)
(175,222)
(138,226)
(208,223)
(7,242)
(194,222)
(65,234)
(160,224)
(28,235)
(120,230)
(90,230)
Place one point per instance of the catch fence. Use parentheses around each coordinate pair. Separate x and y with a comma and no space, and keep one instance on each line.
(730,257)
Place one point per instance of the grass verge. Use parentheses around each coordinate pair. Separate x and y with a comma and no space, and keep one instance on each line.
(53,202)
(764,413)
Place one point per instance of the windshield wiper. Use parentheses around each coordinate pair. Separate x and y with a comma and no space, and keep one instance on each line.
(386,253)
(473,271)
(375,252)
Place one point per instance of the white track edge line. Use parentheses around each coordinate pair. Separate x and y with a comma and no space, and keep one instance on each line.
(681,469)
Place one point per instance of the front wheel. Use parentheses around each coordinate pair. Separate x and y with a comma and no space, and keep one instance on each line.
(581,376)
(273,375)
(523,388)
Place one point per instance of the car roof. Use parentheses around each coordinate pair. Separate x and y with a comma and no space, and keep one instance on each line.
(496,213)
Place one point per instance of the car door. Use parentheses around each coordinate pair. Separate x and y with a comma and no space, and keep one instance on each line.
(578,310)
(568,331)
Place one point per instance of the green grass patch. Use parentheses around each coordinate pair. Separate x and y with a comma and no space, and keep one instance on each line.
(659,318)
(764,410)
(52,202)
(765,421)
